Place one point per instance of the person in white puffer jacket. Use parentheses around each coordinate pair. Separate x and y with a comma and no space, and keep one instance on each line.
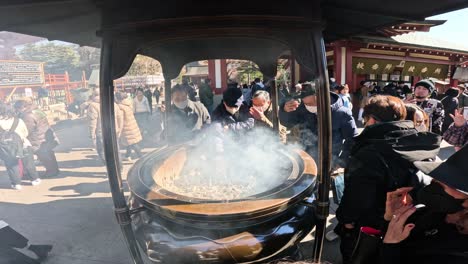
(23,166)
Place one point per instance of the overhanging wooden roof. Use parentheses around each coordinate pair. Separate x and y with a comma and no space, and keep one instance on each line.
(179,31)
(77,21)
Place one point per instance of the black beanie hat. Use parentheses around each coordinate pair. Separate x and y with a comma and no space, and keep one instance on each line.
(232,97)
(428,84)
(307,90)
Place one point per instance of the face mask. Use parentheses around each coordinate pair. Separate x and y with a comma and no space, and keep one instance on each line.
(421,128)
(312,109)
(232,110)
(181,105)
(438,201)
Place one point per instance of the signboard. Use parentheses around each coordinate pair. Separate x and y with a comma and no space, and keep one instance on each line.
(425,70)
(410,68)
(21,73)
(28,92)
(373,66)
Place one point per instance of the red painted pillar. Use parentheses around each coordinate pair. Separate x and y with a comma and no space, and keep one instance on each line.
(453,83)
(337,60)
(350,76)
(211,73)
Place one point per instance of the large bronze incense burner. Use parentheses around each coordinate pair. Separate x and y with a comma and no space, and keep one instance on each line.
(189,218)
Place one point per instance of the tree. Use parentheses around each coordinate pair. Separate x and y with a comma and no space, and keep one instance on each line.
(243,71)
(143,65)
(58,58)
(89,56)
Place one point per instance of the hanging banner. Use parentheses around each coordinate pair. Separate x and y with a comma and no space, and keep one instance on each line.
(373,66)
(20,73)
(425,70)
(410,68)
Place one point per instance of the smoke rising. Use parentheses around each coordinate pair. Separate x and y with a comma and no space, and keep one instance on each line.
(227,165)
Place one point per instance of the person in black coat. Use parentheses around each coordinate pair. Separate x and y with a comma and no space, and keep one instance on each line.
(450,103)
(437,232)
(232,114)
(303,117)
(149,95)
(380,161)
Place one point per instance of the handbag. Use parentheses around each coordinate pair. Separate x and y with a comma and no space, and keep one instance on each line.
(367,248)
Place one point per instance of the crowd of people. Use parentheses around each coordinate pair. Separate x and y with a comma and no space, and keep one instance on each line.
(25,133)
(389,168)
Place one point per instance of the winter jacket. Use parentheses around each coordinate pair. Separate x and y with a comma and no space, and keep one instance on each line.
(450,103)
(149,95)
(141,106)
(238,123)
(457,136)
(130,134)
(463,99)
(184,124)
(443,244)
(37,124)
(94,118)
(21,129)
(206,95)
(381,161)
(343,129)
(436,113)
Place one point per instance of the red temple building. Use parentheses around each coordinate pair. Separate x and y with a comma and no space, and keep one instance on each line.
(397,53)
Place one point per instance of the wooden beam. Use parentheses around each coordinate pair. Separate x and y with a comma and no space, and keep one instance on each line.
(405,58)
(384,52)
(427,56)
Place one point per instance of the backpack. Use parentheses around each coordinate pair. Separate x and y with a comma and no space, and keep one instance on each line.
(11,144)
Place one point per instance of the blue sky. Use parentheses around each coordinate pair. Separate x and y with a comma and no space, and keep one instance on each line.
(454,30)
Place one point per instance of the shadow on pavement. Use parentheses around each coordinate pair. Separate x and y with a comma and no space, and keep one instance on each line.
(80,230)
(80,174)
(85,189)
(75,164)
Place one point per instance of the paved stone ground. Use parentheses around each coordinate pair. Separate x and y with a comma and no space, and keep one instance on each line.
(74,212)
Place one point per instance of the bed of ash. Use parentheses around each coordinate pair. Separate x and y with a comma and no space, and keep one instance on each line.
(225,179)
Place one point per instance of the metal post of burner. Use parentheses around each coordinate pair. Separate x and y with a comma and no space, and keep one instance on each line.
(167,103)
(324,143)
(122,212)
(274,102)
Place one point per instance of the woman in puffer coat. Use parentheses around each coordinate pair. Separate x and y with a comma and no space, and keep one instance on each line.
(130,136)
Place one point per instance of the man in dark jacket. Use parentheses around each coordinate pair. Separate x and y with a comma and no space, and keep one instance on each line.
(192,94)
(40,135)
(381,160)
(232,114)
(149,95)
(463,98)
(303,117)
(450,103)
(185,118)
(257,86)
(433,107)
(157,94)
(206,95)
(437,233)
